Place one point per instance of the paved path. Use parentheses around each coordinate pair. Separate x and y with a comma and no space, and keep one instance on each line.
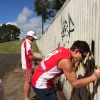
(13,85)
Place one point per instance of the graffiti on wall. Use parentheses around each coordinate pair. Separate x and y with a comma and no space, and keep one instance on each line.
(67,28)
(85,92)
(89,91)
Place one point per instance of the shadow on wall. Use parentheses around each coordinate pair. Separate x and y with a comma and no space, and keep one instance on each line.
(89,91)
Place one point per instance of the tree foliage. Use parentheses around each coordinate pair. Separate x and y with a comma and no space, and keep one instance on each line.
(9,33)
(43,9)
(57,4)
(47,8)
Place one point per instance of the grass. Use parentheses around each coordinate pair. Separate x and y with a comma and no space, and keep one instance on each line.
(14,47)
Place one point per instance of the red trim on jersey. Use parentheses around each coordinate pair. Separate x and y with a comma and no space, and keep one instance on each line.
(48,70)
(50,82)
(38,72)
(28,61)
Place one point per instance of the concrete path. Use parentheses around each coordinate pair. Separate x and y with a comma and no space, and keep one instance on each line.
(13,85)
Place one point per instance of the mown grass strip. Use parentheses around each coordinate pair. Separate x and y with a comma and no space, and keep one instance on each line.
(14,47)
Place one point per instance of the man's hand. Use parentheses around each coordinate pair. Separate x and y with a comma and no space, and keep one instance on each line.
(36,63)
(96,73)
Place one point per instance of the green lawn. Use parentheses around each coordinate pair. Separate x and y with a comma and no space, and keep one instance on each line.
(14,47)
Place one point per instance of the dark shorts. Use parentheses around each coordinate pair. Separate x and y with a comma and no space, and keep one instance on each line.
(46,94)
(27,74)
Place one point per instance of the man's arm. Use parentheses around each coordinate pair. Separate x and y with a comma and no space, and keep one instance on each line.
(34,58)
(66,66)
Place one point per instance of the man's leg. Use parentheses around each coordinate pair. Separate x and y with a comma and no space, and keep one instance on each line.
(27,88)
(27,85)
(46,94)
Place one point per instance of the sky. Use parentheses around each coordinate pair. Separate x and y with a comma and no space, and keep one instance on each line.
(21,13)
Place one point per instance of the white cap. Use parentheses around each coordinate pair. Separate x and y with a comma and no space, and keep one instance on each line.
(31,33)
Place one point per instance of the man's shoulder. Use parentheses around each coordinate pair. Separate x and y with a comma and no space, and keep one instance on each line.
(63,49)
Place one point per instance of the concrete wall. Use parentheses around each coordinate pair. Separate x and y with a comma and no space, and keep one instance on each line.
(76,20)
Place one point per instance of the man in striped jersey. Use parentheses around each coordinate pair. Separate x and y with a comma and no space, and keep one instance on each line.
(27,58)
(56,63)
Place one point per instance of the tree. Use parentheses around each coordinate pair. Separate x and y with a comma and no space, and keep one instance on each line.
(57,4)
(43,9)
(47,8)
(9,33)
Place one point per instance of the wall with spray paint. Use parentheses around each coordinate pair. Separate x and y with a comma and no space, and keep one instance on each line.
(76,20)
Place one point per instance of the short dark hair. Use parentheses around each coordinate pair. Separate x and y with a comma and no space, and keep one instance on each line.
(81,45)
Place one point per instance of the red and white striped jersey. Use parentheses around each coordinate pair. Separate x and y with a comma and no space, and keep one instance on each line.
(48,69)
(26,50)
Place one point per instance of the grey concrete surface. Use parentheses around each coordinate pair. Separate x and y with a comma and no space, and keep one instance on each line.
(13,85)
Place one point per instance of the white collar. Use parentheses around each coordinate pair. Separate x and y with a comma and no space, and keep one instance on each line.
(28,41)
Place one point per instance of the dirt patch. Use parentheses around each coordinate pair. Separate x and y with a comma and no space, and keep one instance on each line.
(11,74)
(13,80)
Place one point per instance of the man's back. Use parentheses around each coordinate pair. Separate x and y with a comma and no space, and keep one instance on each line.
(48,70)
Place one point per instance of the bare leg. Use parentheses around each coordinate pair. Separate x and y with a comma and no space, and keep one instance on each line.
(27,88)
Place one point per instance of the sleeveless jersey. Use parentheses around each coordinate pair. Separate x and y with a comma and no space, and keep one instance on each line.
(48,69)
